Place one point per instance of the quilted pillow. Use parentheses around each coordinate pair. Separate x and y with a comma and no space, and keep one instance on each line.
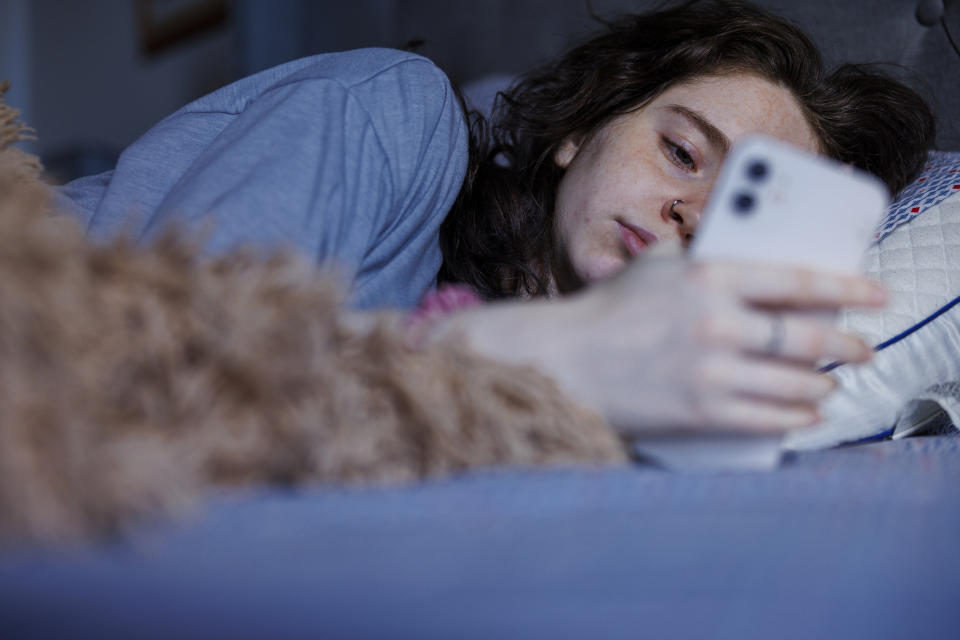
(912,382)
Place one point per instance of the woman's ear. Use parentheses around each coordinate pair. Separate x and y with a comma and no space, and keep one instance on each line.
(567,151)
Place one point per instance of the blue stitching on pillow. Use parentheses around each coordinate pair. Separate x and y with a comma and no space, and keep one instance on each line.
(883,435)
(903,334)
(906,332)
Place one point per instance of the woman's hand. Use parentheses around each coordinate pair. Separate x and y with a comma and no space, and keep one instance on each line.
(668,345)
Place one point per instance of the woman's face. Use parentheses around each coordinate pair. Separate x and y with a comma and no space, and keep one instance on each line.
(614,199)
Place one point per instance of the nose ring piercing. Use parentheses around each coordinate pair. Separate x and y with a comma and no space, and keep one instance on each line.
(673,214)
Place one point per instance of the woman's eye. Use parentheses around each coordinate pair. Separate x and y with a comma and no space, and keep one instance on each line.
(680,155)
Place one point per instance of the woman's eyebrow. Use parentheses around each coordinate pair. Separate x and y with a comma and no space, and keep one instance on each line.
(714,136)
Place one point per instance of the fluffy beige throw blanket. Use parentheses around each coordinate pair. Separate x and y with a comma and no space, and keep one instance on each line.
(134,378)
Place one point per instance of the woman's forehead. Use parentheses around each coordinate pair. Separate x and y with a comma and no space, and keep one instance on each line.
(737,105)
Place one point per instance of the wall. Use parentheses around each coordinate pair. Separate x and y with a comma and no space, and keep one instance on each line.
(83,83)
(91,87)
(15,64)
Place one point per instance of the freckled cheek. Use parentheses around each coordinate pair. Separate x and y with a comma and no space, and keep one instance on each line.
(623,192)
(574,225)
(612,184)
(576,202)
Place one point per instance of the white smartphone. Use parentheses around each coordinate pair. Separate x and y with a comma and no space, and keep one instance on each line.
(778,204)
(774,204)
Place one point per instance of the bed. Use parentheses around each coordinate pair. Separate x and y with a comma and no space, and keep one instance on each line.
(850,541)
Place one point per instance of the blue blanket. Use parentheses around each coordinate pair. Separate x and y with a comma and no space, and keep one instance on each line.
(858,542)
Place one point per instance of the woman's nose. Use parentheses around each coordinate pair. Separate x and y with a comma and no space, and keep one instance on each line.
(684,216)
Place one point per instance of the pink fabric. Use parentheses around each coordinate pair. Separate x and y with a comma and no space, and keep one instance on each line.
(437,304)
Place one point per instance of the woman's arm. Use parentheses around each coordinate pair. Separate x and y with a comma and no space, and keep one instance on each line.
(668,345)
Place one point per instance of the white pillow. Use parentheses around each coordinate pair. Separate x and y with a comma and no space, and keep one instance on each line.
(908,385)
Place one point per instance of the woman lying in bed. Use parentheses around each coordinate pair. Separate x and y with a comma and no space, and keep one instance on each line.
(365,160)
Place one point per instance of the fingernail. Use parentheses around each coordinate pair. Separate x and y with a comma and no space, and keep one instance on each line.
(806,419)
(859,351)
(827,385)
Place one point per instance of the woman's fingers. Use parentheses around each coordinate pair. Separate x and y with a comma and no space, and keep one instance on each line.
(668,346)
(765,379)
(791,287)
(753,416)
(788,336)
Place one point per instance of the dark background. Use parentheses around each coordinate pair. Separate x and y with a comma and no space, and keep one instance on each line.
(92,75)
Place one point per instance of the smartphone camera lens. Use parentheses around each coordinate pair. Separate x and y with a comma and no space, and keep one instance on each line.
(743,203)
(757,170)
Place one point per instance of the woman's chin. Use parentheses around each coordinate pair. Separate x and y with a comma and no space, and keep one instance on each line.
(602,268)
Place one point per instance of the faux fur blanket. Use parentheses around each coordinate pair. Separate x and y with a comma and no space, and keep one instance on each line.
(133,378)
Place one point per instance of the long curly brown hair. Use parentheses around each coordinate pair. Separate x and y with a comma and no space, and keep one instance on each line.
(499,235)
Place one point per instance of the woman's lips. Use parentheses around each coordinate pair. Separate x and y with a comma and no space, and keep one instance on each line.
(635,238)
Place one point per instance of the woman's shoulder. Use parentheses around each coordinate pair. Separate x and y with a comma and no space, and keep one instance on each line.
(389,74)
(359,66)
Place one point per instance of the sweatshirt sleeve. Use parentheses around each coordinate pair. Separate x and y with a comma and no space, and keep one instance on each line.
(353,159)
